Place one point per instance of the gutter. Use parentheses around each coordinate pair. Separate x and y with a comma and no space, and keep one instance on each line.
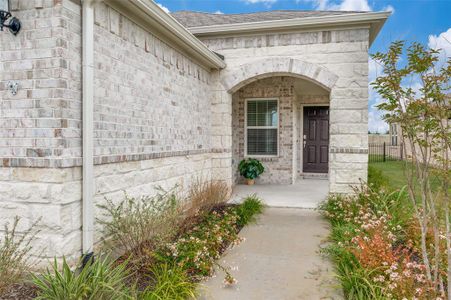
(88,126)
(149,15)
(375,19)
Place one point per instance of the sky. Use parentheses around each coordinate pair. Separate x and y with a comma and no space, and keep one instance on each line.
(424,21)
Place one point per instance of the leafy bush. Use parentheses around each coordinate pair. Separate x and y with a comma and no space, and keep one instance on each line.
(14,254)
(146,222)
(205,195)
(376,179)
(98,280)
(246,211)
(250,168)
(171,282)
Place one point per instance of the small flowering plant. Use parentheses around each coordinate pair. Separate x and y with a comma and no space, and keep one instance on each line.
(375,229)
(198,249)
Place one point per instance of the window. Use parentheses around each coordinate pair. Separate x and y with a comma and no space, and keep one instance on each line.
(262,127)
(394,134)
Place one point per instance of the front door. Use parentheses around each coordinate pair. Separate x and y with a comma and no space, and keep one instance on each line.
(316,139)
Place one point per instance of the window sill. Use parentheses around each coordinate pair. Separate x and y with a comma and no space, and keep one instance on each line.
(264,157)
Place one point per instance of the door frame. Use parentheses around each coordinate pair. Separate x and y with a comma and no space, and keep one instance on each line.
(301,134)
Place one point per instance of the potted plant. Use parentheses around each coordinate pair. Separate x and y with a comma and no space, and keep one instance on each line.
(250,168)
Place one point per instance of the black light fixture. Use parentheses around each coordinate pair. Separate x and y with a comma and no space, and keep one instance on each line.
(14,23)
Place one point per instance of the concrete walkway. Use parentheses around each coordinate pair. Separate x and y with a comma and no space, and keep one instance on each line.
(305,193)
(278,260)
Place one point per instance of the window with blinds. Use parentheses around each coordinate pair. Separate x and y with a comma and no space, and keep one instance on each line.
(262,123)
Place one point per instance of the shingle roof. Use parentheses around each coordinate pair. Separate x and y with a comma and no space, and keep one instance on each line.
(195,19)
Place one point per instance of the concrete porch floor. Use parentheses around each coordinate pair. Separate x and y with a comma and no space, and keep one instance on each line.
(305,193)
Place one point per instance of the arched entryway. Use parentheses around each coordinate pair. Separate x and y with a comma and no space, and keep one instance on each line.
(234,78)
(280,115)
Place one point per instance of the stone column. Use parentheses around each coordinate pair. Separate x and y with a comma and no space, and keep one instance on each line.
(348,157)
(221,133)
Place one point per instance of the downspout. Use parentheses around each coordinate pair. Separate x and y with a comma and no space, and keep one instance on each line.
(88,126)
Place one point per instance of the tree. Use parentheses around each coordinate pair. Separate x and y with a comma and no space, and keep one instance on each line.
(423,114)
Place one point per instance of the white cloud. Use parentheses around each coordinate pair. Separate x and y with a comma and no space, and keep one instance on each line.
(359,5)
(442,42)
(218,12)
(166,10)
(374,69)
(265,2)
(375,121)
(389,8)
(345,5)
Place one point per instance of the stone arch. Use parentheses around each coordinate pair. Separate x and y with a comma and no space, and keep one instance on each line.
(235,78)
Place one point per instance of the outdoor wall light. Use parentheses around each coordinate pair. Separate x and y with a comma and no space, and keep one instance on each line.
(14,23)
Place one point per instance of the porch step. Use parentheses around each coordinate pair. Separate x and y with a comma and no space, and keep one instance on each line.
(323,176)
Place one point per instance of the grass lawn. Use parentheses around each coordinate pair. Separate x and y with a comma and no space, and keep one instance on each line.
(394,170)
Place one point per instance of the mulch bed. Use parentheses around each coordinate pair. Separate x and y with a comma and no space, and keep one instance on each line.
(24,291)
(143,277)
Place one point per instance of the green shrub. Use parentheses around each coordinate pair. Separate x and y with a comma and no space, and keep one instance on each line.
(247,210)
(354,279)
(340,209)
(98,280)
(367,229)
(357,284)
(14,254)
(376,179)
(146,222)
(250,168)
(170,282)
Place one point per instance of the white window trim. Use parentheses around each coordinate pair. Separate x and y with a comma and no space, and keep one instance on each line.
(246,155)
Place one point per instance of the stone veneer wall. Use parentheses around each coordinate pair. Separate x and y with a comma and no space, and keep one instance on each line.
(278,170)
(342,52)
(156,119)
(145,177)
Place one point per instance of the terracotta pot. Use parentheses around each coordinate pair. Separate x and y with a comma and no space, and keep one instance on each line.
(250,181)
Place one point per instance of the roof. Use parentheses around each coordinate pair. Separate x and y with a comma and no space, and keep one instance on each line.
(197,19)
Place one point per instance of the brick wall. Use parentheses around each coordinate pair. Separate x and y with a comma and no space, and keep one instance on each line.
(153,108)
(40,126)
(149,97)
(278,170)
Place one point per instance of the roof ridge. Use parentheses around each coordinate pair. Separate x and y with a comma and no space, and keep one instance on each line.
(198,19)
(269,11)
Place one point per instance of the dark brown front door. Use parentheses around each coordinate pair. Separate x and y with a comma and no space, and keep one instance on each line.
(316,139)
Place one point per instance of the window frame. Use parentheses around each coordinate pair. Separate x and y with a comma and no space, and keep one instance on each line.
(394,134)
(246,155)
